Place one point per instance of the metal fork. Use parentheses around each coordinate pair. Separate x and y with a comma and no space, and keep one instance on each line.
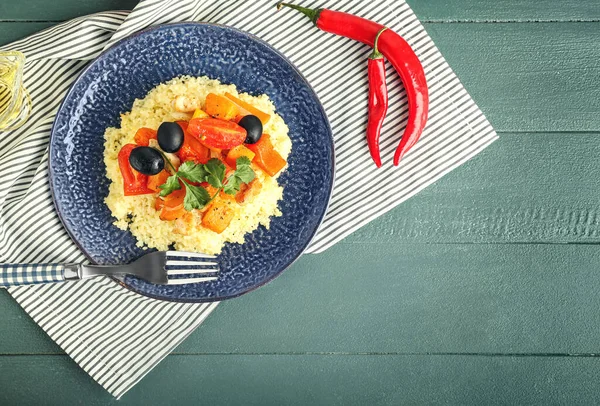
(161,268)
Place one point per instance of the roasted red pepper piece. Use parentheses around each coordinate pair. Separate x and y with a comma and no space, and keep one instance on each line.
(192,149)
(215,133)
(378,100)
(134,183)
(183,124)
(144,135)
(396,50)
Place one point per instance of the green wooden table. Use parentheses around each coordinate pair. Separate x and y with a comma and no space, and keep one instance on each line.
(488,282)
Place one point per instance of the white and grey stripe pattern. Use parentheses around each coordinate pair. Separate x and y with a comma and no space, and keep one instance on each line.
(117,336)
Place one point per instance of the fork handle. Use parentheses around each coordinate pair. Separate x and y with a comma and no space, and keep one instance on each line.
(30,274)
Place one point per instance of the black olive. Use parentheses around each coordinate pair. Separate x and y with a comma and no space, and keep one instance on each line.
(146,160)
(253,128)
(170,136)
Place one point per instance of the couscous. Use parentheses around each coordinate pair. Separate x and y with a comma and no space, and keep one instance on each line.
(195,164)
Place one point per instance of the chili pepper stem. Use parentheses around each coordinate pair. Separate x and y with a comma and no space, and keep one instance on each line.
(312,14)
(376,54)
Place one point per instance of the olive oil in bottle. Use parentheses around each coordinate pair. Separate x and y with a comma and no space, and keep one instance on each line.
(15,104)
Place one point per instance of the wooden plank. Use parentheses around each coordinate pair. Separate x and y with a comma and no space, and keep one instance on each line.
(432,10)
(534,187)
(419,299)
(13,31)
(16,325)
(409,298)
(39,9)
(506,10)
(316,379)
(527,77)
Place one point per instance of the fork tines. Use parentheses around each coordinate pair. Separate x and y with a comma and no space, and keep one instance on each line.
(190,267)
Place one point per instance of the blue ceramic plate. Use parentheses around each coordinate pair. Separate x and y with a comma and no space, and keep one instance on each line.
(128,71)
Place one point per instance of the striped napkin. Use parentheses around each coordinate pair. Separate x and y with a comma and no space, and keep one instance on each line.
(117,336)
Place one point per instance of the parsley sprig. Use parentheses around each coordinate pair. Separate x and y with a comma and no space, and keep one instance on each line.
(213,172)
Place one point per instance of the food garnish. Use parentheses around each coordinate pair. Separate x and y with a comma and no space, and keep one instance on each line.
(213,173)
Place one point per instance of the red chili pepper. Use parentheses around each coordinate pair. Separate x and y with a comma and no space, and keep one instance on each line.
(134,183)
(378,100)
(396,50)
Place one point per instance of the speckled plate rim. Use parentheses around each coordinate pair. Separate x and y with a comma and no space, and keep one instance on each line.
(53,130)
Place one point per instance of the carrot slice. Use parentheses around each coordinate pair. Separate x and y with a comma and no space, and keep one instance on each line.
(159,203)
(154,181)
(220,107)
(218,217)
(262,116)
(144,135)
(267,158)
(248,192)
(239,152)
(173,206)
